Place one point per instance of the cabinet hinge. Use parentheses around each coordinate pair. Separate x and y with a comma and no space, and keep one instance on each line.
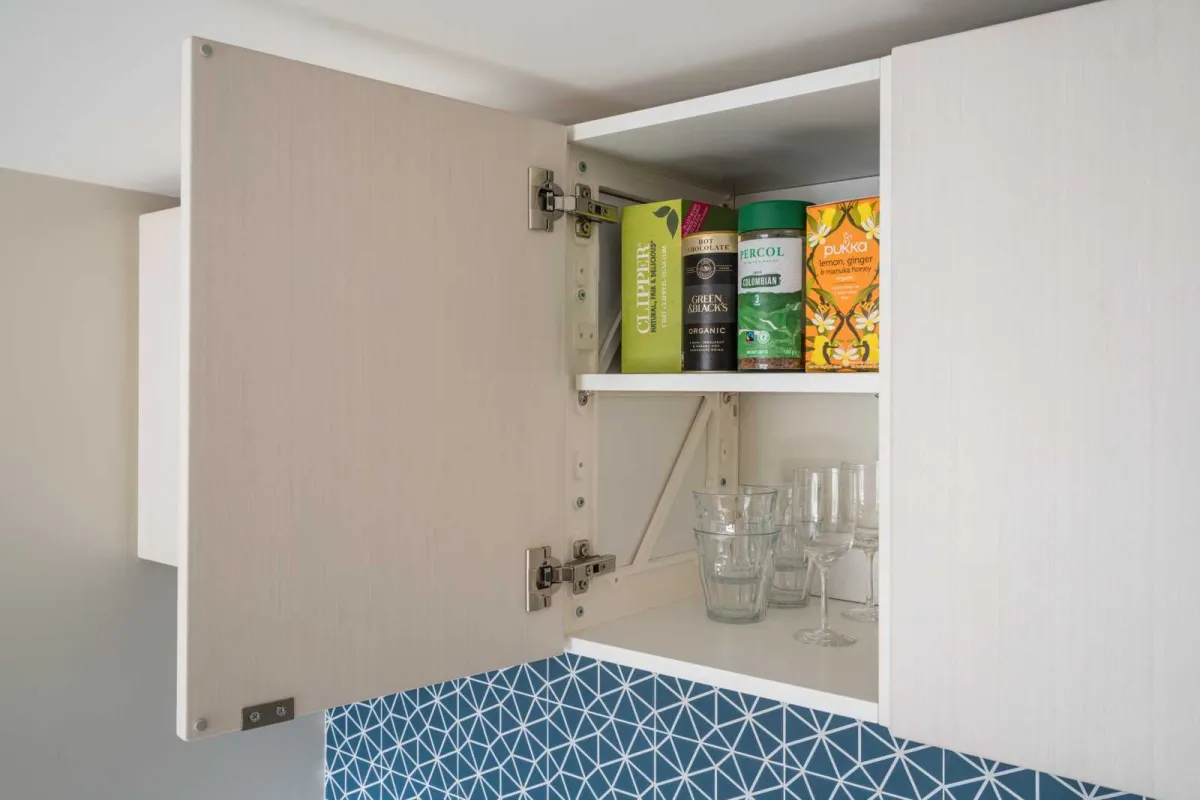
(547,573)
(548,202)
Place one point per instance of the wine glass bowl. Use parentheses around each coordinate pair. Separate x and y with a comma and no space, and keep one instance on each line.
(864,502)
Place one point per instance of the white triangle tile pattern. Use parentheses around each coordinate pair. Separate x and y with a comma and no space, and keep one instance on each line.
(571,728)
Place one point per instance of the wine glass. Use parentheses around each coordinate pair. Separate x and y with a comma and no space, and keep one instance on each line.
(864,487)
(825,525)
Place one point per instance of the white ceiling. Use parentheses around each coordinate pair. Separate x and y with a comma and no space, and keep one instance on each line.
(89,90)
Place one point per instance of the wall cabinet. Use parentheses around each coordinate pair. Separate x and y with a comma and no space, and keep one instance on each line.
(392,389)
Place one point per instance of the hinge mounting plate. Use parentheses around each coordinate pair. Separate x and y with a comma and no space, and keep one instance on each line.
(546,573)
(547,203)
(265,714)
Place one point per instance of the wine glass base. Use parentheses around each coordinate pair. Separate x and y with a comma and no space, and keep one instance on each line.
(862,614)
(824,637)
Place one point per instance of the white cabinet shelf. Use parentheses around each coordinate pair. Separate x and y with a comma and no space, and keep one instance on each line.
(798,131)
(760,659)
(699,382)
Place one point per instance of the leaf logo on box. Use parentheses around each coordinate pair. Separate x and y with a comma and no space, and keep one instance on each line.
(672,218)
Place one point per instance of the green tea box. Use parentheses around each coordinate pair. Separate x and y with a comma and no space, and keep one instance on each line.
(652,278)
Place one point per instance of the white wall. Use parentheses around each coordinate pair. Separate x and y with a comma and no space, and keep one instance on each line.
(87,631)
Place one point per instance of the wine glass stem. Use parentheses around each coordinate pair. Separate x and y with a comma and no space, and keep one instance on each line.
(824,570)
(871,601)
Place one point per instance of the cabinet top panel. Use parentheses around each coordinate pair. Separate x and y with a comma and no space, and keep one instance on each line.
(809,129)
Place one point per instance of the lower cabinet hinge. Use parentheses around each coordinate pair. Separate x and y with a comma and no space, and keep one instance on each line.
(547,573)
(548,202)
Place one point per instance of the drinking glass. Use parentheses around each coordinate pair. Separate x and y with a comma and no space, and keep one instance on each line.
(718,512)
(789,586)
(824,521)
(864,487)
(735,570)
(736,533)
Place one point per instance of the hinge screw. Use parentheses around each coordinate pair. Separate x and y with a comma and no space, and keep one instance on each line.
(579,502)
(583,166)
(583,586)
(280,711)
(206,50)
(200,725)
(583,398)
(579,611)
(727,397)
(255,716)
(581,295)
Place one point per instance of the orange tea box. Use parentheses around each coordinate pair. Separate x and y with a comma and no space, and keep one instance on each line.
(841,297)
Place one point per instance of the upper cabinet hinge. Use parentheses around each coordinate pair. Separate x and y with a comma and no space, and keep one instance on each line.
(547,203)
(546,573)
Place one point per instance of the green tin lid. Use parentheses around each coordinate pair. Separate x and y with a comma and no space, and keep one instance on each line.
(772,215)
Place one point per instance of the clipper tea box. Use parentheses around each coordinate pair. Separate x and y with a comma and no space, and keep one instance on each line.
(841,301)
(652,280)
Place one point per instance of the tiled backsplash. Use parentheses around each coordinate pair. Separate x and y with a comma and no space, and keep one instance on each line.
(570,727)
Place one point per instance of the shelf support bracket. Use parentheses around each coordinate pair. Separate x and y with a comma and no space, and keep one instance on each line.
(674,481)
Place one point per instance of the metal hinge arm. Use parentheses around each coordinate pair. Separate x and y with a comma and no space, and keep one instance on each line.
(581,206)
(548,202)
(546,573)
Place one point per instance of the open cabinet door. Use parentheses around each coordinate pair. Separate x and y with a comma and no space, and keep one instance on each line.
(376,398)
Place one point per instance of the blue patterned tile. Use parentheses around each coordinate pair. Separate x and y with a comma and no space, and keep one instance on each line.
(983,779)
(819,743)
(810,786)
(741,775)
(625,694)
(504,729)
(897,767)
(1051,787)
(530,679)
(571,728)
(572,747)
(572,681)
(684,768)
(748,725)
(683,708)
(624,757)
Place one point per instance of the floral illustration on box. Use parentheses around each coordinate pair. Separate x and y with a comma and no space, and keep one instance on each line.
(840,336)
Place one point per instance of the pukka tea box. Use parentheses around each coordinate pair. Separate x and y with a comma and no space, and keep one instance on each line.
(841,299)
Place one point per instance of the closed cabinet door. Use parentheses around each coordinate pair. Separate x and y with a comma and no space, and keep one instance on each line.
(376,389)
(1045,438)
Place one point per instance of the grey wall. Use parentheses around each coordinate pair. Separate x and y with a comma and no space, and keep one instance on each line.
(87,631)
